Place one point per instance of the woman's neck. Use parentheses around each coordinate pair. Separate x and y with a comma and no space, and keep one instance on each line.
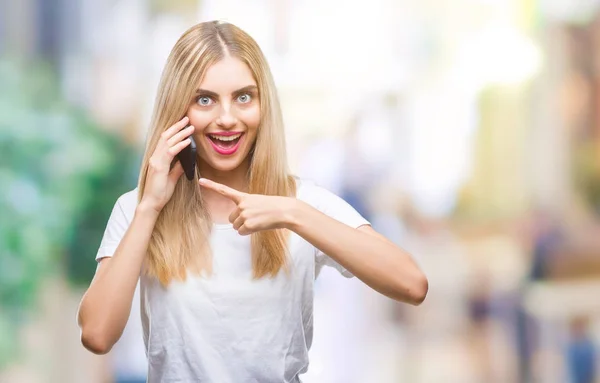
(220,207)
(236,179)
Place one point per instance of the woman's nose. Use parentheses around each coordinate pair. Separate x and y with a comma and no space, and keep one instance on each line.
(226,119)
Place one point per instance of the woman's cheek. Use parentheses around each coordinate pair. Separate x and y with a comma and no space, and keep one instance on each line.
(199,120)
(252,116)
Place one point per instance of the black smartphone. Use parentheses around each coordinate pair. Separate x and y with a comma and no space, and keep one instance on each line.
(187,157)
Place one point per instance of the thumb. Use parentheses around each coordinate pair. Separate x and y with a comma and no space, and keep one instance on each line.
(176,172)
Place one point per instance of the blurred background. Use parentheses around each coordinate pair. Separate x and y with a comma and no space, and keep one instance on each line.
(467,131)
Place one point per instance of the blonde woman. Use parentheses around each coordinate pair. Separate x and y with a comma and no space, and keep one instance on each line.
(226,262)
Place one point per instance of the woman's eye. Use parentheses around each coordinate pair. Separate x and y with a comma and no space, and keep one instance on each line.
(244,98)
(204,100)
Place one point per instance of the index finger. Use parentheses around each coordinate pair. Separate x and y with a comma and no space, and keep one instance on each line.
(232,194)
(176,127)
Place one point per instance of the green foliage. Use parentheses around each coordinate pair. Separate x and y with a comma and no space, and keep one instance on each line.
(60,175)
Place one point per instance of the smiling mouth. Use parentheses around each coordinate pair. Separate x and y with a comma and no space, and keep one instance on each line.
(225,142)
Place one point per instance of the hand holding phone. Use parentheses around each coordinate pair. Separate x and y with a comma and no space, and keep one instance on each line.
(161,176)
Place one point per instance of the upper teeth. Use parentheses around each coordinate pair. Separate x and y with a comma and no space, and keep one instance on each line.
(226,138)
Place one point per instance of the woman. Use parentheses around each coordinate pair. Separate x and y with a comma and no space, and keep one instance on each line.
(226,263)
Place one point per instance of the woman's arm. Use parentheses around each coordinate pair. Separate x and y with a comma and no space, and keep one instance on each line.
(106,305)
(365,253)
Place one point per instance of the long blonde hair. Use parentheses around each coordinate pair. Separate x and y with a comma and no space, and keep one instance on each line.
(180,240)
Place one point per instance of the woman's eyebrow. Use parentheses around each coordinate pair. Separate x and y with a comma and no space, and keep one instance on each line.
(248,88)
(206,92)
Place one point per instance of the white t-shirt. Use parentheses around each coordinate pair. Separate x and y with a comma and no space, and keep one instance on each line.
(229,328)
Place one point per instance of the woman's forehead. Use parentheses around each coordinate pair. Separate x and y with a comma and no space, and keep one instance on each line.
(227,75)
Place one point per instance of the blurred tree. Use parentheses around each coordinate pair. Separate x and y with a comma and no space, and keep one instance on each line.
(587,174)
(60,175)
(168,6)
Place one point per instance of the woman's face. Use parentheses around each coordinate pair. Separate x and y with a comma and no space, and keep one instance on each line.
(225,113)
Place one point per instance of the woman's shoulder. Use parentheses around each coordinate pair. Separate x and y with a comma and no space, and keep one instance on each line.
(310,191)
(129,198)
(127,202)
(325,199)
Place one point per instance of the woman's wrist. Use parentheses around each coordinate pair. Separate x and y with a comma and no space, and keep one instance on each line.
(293,214)
(146,209)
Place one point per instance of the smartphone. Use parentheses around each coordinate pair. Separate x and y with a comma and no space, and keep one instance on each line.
(187,157)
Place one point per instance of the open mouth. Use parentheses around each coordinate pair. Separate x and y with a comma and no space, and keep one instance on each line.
(225,144)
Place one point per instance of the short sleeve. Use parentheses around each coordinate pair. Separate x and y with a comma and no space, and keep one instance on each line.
(117,225)
(338,209)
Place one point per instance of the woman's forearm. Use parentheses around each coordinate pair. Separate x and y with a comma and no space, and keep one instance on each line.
(368,255)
